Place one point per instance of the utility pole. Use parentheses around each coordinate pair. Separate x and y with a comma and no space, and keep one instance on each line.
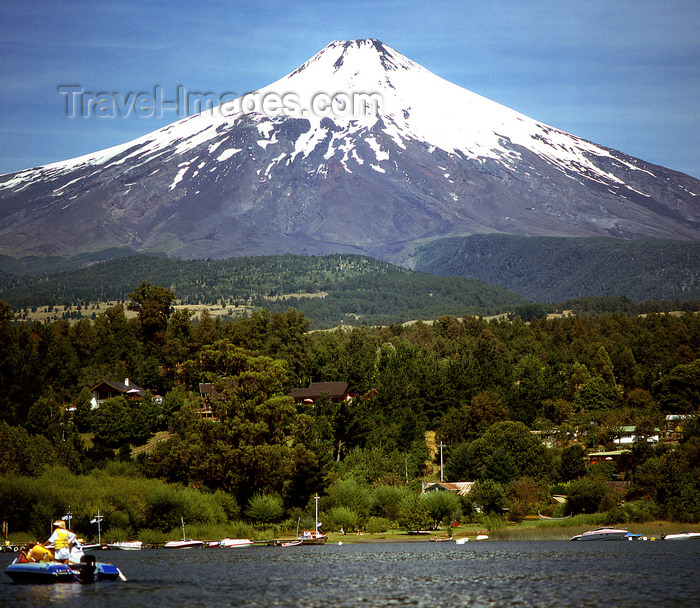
(96,520)
(441,446)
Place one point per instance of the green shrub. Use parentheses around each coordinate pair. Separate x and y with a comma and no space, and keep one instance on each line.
(114,534)
(586,495)
(351,494)
(616,515)
(494,522)
(378,525)
(118,519)
(228,504)
(240,529)
(264,508)
(342,517)
(386,501)
(165,505)
(414,515)
(441,505)
(641,511)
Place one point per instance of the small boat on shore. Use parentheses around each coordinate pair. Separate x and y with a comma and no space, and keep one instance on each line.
(185,543)
(233,543)
(682,536)
(135,545)
(440,539)
(312,537)
(606,533)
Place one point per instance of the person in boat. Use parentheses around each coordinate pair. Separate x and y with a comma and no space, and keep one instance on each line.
(62,541)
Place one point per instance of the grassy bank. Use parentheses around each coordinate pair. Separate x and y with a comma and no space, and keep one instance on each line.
(532,530)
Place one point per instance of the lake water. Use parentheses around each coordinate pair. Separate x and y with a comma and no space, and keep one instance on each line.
(420,574)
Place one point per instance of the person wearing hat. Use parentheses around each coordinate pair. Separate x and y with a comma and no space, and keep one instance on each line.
(62,540)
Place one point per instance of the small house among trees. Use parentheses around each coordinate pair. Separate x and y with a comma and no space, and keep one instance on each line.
(609,456)
(107,389)
(459,487)
(336,391)
(208,395)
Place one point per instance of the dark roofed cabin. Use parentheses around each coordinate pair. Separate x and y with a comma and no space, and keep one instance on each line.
(336,391)
(208,394)
(107,389)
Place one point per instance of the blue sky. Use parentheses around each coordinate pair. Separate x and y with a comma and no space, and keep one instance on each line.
(624,74)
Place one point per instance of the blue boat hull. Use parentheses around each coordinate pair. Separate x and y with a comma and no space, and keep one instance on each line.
(53,572)
(42,573)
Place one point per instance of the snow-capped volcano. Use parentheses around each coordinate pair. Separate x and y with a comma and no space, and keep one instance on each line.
(359,149)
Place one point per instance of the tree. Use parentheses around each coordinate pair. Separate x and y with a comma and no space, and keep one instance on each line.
(117,422)
(595,399)
(573,464)
(603,367)
(485,409)
(415,515)
(386,501)
(441,505)
(508,447)
(586,495)
(459,465)
(527,495)
(489,495)
(256,445)
(528,391)
(23,454)
(501,466)
(342,517)
(679,391)
(152,303)
(349,493)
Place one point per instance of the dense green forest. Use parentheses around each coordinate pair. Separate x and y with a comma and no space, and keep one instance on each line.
(354,289)
(480,386)
(553,269)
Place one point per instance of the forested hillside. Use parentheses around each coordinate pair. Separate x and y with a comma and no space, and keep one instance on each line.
(480,386)
(330,290)
(550,269)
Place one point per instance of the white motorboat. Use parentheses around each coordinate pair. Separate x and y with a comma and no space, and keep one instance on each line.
(605,534)
(185,543)
(682,536)
(232,543)
(135,545)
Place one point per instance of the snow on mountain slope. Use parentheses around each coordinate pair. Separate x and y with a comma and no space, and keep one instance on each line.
(359,149)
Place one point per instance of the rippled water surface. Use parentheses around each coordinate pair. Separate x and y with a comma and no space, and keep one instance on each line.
(555,573)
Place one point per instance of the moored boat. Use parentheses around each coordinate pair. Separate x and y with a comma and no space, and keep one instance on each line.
(312,537)
(232,543)
(606,533)
(135,545)
(682,536)
(440,539)
(185,543)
